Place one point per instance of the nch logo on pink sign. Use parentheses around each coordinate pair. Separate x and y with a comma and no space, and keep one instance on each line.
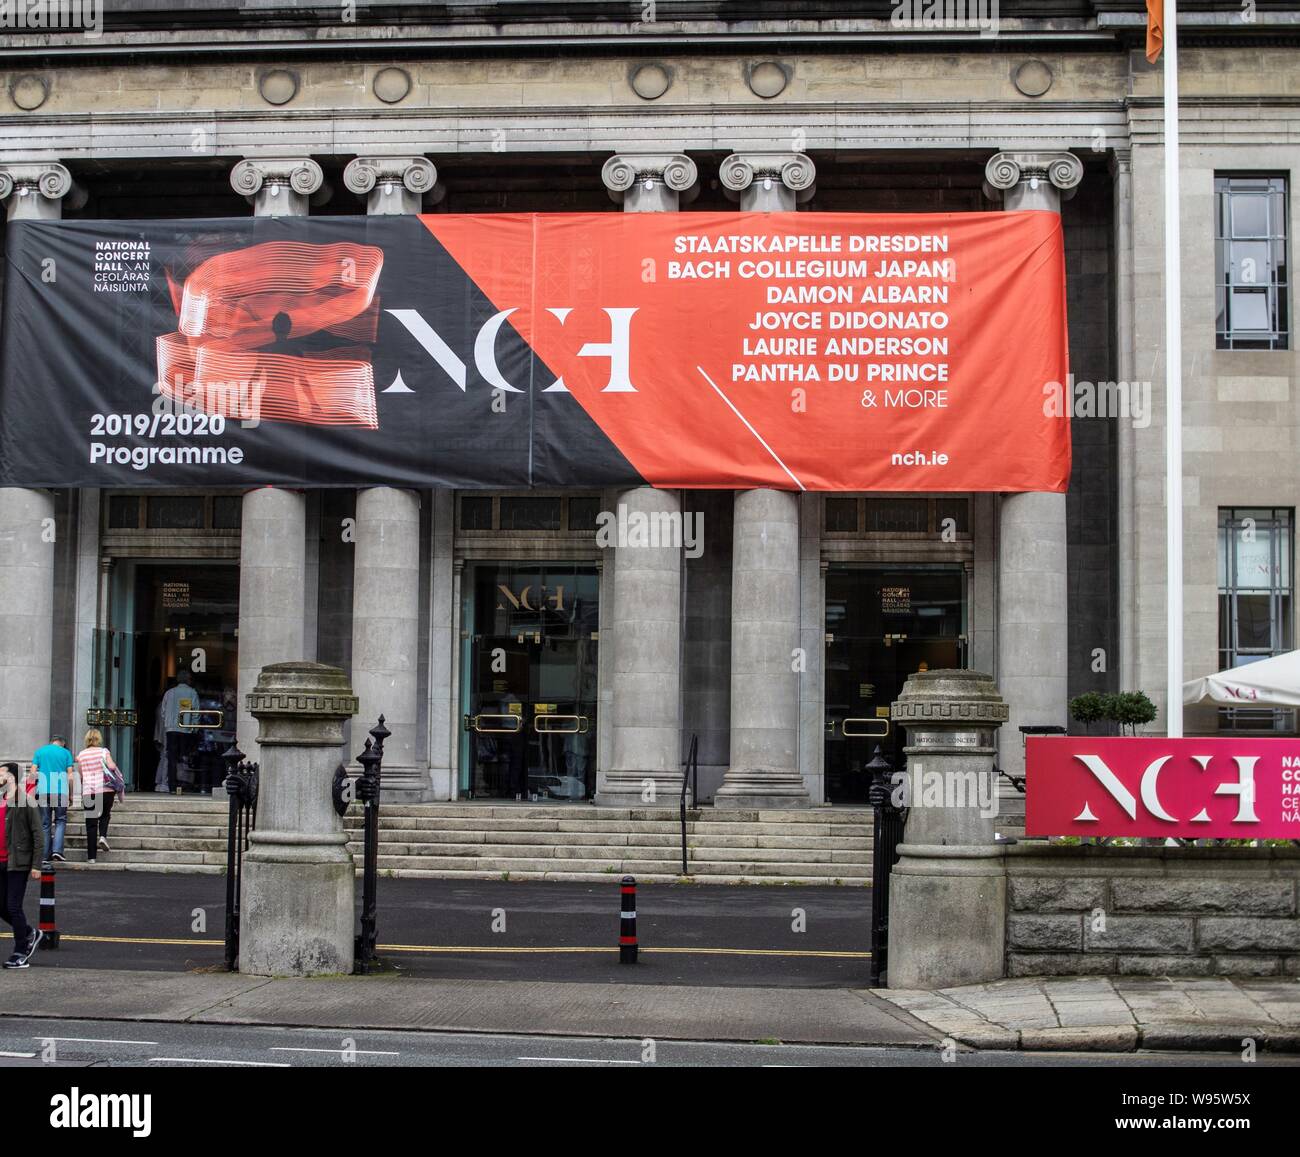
(1186,788)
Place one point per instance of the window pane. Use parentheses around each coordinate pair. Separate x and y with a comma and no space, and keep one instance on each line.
(582,513)
(897,515)
(1252,263)
(958,509)
(176,512)
(123,512)
(1249,215)
(842,515)
(530,513)
(1255,561)
(1254,629)
(476,514)
(226,512)
(1250,310)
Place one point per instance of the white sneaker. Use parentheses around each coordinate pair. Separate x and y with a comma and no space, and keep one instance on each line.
(103,845)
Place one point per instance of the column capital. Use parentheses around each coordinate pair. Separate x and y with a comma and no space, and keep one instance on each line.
(35,190)
(764,182)
(277,186)
(1005,171)
(393,184)
(650,181)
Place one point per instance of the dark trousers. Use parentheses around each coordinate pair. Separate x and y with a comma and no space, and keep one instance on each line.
(97,820)
(15,887)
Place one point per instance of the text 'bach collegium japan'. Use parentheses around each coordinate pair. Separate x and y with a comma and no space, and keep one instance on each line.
(797,351)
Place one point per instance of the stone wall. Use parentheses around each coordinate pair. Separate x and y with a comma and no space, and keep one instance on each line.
(1074,910)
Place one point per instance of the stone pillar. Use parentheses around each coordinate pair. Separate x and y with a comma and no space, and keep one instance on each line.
(764,770)
(272,577)
(1033,594)
(297,892)
(31,192)
(650,182)
(642,644)
(948,891)
(645,670)
(386,630)
(393,185)
(768,182)
(273,538)
(764,766)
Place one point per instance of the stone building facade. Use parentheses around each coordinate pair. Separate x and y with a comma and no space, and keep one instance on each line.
(214,111)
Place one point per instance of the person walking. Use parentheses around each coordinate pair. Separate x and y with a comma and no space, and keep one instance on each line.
(52,763)
(22,848)
(100,783)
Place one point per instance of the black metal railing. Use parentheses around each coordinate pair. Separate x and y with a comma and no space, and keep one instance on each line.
(367,789)
(887,834)
(241,786)
(690,775)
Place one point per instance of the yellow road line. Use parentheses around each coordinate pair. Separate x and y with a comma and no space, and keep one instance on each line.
(476,949)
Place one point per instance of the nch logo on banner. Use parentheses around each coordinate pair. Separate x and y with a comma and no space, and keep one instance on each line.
(1199,788)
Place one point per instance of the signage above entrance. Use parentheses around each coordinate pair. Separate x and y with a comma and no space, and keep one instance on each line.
(1177,788)
(802,351)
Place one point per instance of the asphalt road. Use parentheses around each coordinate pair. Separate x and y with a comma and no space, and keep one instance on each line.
(108,1044)
(800,937)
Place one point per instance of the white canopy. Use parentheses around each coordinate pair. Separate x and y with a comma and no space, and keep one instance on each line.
(1271,682)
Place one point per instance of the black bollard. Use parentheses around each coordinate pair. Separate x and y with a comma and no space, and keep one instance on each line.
(627,922)
(46,920)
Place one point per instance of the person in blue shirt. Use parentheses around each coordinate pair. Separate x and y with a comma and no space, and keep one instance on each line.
(51,763)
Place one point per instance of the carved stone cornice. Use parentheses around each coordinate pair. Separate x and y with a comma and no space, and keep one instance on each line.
(788,178)
(950,699)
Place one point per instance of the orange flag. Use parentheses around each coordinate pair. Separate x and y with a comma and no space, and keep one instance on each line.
(1155,29)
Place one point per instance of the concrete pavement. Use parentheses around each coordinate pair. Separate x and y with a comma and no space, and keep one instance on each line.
(1113,1014)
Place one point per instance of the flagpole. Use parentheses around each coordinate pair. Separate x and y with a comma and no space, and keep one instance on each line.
(1173,384)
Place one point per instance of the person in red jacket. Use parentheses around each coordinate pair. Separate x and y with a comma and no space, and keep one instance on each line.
(22,848)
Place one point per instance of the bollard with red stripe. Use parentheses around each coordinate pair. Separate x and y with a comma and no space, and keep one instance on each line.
(46,920)
(627,922)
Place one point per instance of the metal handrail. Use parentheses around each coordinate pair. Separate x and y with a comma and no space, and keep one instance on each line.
(691,775)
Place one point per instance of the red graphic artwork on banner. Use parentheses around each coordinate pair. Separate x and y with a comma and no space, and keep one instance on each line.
(1176,788)
(243,317)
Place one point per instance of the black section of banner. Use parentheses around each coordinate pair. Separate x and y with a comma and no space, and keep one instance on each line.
(79,405)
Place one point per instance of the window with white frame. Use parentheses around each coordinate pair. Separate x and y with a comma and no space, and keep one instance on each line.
(1250,258)
(1256,608)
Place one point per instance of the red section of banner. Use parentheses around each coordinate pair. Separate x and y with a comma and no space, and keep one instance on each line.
(818,351)
(1177,788)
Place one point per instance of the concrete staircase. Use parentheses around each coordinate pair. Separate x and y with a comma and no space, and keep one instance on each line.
(161,833)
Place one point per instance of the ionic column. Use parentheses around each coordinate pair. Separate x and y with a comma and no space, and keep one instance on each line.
(386,562)
(650,182)
(273,535)
(645,620)
(31,192)
(393,185)
(1033,595)
(768,182)
(763,770)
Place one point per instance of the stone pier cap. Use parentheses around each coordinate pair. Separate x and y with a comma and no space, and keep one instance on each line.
(301,704)
(956,700)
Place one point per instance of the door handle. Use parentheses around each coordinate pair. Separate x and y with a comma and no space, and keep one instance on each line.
(867,731)
(579,724)
(476,723)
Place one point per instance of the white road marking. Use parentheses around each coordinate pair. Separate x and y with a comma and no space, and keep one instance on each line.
(210,1061)
(579,1060)
(751,429)
(334,1052)
(24,1056)
(94,1040)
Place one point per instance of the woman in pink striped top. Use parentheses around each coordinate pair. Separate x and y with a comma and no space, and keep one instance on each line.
(99,776)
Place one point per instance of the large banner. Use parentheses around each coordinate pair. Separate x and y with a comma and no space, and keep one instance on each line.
(1241,789)
(817,351)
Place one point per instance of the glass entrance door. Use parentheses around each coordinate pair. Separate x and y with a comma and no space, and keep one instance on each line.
(529,682)
(882,624)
